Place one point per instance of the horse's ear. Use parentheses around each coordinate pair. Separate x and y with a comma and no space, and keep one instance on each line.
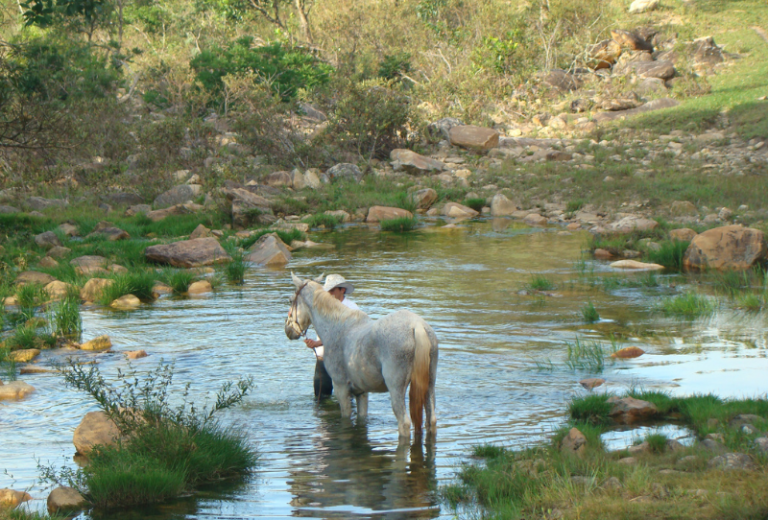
(296,280)
(319,279)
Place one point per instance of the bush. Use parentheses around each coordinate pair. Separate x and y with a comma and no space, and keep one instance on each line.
(285,69)
(164,451)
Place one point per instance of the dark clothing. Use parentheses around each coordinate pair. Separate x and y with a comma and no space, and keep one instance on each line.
(323,382)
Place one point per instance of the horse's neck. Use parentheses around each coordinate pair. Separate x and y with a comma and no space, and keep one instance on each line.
(332,332)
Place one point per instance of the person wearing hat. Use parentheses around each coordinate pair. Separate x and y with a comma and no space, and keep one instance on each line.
(339,288)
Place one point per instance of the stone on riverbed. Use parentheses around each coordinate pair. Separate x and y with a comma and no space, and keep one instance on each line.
(501,206)
(160,288)
(628,353)
(534,219)
(126,302)
(379,213)
(634,264)
(65,499)
(94,287)
(424,198)
(34,277)
(136,354)
(99,343)
(24,355)
(592,382)
(629,410)
(110,232)
(575,442)
(200,287)
(10,498)
(456,210)
(474,137)
(197,252)
(89,264)
(269,250)
(15,390)
(95,428)
(726,248)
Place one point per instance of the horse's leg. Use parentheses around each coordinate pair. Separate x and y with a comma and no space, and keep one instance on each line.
(397,382)
(362,406)
(345,400)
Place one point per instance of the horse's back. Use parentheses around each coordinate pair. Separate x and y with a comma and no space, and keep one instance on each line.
(396,330)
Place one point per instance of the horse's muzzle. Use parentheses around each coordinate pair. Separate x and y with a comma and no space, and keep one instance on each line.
(292,329)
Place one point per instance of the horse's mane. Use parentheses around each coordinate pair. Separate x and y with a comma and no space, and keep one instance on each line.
(332,308)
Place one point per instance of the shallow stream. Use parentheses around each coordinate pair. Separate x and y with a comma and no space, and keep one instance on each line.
(503,376)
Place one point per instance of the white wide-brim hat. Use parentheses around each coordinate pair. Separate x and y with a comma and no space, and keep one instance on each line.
(336,280)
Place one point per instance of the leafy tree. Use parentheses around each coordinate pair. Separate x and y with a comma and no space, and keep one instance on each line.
(272,10)
(78,15)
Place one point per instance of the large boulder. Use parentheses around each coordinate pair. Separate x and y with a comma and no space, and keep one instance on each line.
(15,390)
(501,206)
(630,40)
(424,198)
(34,277)
(96,428)
(379,213)
(269,250)
(24,355)
(726,248)
(10,498)
(279,179)
(200,287)
(47,240)
(441,129)
(628,410)
(93,288)
(89,264)
(412,162)
(632,223)
(654,69)
(109,231)
(246,206)
(57,290)
(641,6)
(311,179)
(189,253)
(41,204)
(456,210)
(178,195)
(561,80)
(345,171)
(64,500)
(475,138)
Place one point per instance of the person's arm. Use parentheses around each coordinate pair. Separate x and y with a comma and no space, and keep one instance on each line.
(313,343)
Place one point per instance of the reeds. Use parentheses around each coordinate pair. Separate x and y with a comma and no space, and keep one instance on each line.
(399,225)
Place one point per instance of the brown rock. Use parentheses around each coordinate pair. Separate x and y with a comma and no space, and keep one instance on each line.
(683,207)
(59,252)
(628,353)
(109,231)
(126,302)
(627,461)
(605,54)
(620,104)
(200,287)
(96,428)
(15,390)
(424,198)
(160,288)
(629,410)
(10,498)
(57,290)
(602,254)
(98,343)
(706,53)
(47,240)
(47,263)
(178,209)
(90,264)
(474,137)
(456,210)
(634,264)
(732,462)
(592,382)
(200,232)
(501,206)
(34,277)
(93,288)
(246,207)
(24,355)
(414,163)
(726,248)
(278,179)
(189,253)
(633,223)
(663,70)
(561,80)
(69,229)
(340,213)
(64,500)
(630,40)
(379,213)
(269,250)
(682,234)
(136,354)
(534,219)
(575,442)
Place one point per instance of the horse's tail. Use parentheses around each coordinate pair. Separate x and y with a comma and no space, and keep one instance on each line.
(417,395)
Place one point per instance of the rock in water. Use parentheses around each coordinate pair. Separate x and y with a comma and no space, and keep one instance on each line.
(10,498)
(95,428)
(379,213)
(197,252)
(93,288)
(126,302)
(456,210)
(99,343)
(726,248)
(501,206)
(629,410)
(15,390)
(634,264)
(65,499)
(269,250)
(200,287)
(628,353)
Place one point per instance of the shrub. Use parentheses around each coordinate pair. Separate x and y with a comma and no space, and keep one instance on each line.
(165,451)
(393,66)
(285,69)
(400,225)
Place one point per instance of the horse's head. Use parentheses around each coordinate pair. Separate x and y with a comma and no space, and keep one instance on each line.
(299,318)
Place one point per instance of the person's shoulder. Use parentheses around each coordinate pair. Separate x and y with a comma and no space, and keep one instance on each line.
(349,303)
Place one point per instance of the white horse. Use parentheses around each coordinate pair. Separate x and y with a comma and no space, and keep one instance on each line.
(363,355)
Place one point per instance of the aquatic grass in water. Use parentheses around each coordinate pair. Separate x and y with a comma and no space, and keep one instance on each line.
(585,355)
(670,254)
(589,313)
(541,283)
(399,225)
(29,297)
(137,283)
(178,279)
(750,302)
(322,220)
(234,271)
(66,317)
(7,363)
(476,204)
(657,442)
(689,305)
(591,409)
(23,337)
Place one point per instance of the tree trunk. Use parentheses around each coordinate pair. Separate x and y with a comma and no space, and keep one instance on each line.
(303,14)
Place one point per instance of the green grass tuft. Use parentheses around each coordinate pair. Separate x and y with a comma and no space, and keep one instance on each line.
(66,317)
(541,283)
(585,355)
(689,305)
(234,271)
(399,225)
(476,204)
(589,313)
(670,254)
(591,409)
(178,279)
(137,283)
(657,442)
(322,220)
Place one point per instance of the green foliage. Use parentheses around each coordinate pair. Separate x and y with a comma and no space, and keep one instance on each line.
(541,283)
(7,363)
(499,55)
(589,313)
(164,450)
(137,283)
(399,225)
(23,337)
(286,236)
(394,65)
(657,442)
(322,220)
(670,254)
(749,301)
(285,69)
(688,305)
(591,409)
(66,316)
(235,270)
(29,297)
(476,204)
(585,355)
(178,279)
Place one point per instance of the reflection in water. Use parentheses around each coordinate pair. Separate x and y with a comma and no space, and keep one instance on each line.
(344,474)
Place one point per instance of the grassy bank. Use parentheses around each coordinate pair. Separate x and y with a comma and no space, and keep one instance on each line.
(658,479)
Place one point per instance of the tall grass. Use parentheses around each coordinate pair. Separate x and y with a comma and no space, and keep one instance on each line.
(591,409)
(589,313)
(66,317)
(178,279)
(669,254)
(138,283)
(541,283)
(235,270)
(29,297)
(322,220)
(399,225)
(7,363)
(585,355)
(689,305)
